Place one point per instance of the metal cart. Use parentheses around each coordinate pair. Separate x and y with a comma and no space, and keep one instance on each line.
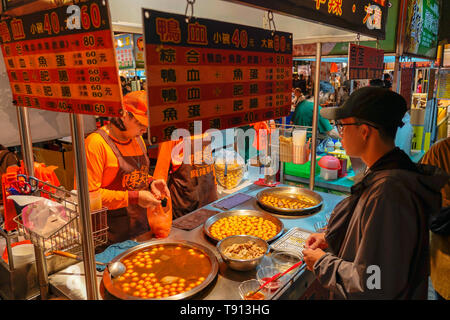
(28,281)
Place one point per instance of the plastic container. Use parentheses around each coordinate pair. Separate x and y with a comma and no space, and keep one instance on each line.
(330,146)
(300,170)
(329,167)
(23,254)
(95,200)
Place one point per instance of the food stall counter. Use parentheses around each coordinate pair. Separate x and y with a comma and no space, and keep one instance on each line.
(70,281)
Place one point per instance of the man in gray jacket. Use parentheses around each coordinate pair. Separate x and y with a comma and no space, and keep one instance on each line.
(377,239)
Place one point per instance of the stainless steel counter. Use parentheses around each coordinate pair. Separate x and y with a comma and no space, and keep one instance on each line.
(70,282)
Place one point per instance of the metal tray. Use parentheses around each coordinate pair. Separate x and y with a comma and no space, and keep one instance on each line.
(275,220)
(293,240)
(124,296)
(290,192)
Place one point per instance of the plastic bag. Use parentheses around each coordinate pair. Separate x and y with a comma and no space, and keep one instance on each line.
(44,217)
(160,219)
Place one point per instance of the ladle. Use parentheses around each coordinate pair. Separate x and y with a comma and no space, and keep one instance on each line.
(116,269)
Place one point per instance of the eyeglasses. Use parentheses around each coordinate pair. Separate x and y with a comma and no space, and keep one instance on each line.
(340,125)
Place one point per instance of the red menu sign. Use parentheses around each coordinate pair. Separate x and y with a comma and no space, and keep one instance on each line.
(63,59)
(365,62)
(222,74)
(406,81)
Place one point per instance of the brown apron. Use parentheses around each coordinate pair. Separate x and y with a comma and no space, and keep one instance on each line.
(192,186)
(127,223)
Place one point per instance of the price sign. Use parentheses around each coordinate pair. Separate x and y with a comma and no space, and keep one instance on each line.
(222,74)
(365,62)
(63,59)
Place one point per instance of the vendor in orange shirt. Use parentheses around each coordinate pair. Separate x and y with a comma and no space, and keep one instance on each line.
(118,166)
(191,185)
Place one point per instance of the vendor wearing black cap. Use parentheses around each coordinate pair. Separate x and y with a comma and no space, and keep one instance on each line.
(377,238)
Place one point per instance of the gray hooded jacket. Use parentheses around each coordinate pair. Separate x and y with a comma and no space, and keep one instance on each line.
(378,236)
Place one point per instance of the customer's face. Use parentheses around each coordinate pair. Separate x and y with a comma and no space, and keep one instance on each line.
(352,140)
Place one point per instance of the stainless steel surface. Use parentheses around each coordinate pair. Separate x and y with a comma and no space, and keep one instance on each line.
(289,192)
(87,242)
(228,280)
(208,223)
(293,240)
(211,276)
(315,116)
(241,264)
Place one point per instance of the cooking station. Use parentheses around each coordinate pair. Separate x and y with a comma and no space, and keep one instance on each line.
(70,282)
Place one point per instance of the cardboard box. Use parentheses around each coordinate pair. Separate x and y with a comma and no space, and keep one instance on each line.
(64,160)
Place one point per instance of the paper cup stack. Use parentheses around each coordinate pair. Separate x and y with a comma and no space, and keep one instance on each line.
(300,149)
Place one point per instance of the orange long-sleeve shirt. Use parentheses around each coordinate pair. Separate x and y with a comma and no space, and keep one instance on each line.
(103,166)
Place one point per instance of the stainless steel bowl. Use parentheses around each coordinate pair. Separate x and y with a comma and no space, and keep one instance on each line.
(289,192)
(109,285)
(241,264)
(207,225)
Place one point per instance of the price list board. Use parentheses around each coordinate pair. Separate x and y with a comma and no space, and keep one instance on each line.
(224,75)
(365,62)
(63,59)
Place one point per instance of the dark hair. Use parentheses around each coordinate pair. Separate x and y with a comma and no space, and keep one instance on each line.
(118,123)
(376,83)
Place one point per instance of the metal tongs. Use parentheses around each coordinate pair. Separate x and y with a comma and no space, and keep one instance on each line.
(276,277)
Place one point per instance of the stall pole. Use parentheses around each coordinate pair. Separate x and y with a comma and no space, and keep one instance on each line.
(315,116)
(27,153)
(76,124)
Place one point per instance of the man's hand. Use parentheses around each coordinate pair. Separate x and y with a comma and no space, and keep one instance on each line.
(147,199)
(159,189)
(316,240)
(311,256)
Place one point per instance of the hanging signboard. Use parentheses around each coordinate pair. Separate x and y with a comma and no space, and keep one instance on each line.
(124,51)
(225,75)
(63,59)
(367,17)
(406,84)
(341,48)
(365,62)
(443,89)
(422,27)
(139,51)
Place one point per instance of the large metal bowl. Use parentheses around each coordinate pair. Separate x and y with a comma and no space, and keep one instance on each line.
(290,192)
(124,296)
(207,225)
(241,264)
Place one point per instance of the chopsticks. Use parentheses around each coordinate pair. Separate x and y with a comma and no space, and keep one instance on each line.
(277,276)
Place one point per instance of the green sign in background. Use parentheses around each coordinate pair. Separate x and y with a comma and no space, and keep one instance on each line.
(422,27)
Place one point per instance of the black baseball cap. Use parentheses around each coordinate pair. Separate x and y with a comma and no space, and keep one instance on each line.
(377,105)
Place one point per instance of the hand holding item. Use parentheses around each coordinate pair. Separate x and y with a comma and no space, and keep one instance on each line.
(316,240)
(147,199)
(159,189)
(310,257)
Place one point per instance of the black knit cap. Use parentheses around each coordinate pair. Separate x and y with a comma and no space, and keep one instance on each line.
(377,105)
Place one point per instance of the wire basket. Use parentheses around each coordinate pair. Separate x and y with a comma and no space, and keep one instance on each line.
(68,236)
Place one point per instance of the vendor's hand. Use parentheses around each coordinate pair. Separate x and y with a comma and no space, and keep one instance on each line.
(147,199)
(159,189)
(311,256)
(316,240)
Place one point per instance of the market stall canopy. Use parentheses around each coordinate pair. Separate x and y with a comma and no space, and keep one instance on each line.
(125,20)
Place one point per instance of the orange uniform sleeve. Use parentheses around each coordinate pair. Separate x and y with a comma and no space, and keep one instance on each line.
(164,160)
(102,167)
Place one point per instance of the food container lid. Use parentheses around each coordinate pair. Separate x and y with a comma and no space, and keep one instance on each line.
(330,163)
